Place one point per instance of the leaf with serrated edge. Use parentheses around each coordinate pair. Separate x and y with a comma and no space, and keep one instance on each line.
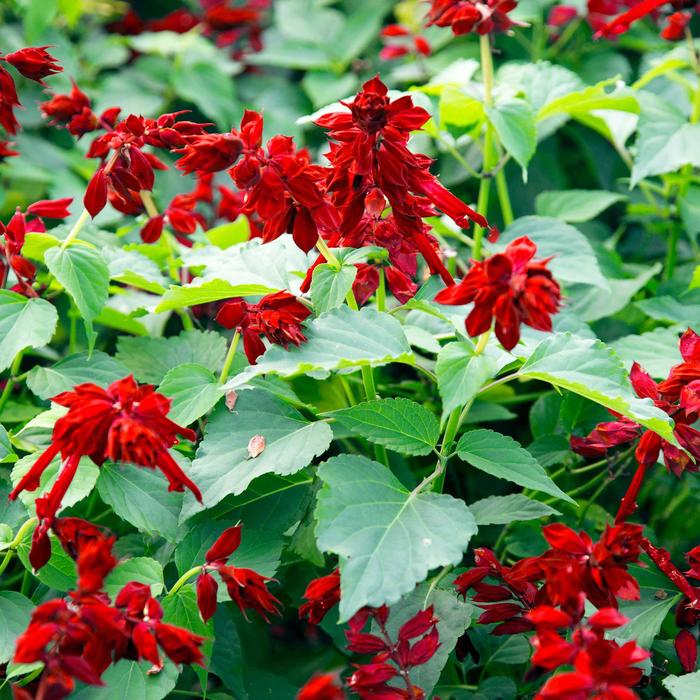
(194,390)
(386,537)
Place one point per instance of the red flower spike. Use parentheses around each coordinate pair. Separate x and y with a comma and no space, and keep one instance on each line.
(34,63)
(321,687)
(365,643)
(418,625)
(510,287)
(206,595)
(248,591)
(466,16)
(226,544)
(209,153)
(322,594)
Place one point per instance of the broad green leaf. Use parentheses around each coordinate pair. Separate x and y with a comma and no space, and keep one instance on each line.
(399,424)
(7,453)
(689,204)
(150,359)
(228,657)
(330,286)
(461,373)
(98,368)
(24,323)
(514,122)
(134,269)
(386,537)
(15,611)
(501,510)
(656,351)
(81,486)
(206,291)
(193,389)
(592,370)
(454,617)
(574,206)
(460,109)
(592,98)
(181,610)
(340,339)
(223,466)
(670,310)
(360,28)
(646,617)
(502,457)
(666,141)
(58,572)
(141,497)
(141,569)
(36,244)
(229,234)
(131,680)
(660,66)
(83,273)
(573,259)
(686,687)
(37,16)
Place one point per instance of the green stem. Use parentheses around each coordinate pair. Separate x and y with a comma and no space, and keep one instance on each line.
(77,226)
(381,291)
(327,253)
(229,357)
(504,198)
(7,391)
(17,540)
(183,580)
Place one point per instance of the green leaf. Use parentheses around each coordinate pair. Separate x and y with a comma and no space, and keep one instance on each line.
(229,234)
(686,687)
(150,359)
(141,569)
(208,87)
(98,368)
(84,274)
(646,617)
(222,465)
(134,269)
(330,286)
(340,339)
(194,391)
(574,206)
(206,291)
(141,497)
(386,537)
(573,259)
(460,109)
(593,370)
(514,122)
(228,657)
(689,204)
(131,680)
(181,610)
(454,617)
(656,351)
(24,323)
(399,424)
(670,310)
(501,510)
(502,457)
(583,102)
(37,17)
(666,141)
(7,453)
(58,572)
(15,611)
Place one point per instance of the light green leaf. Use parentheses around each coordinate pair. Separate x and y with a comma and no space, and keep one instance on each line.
(685,687)
(98,368)
(646,617)
(670,310)
(400,424)
(83,273)
(689,204)
(502,457)
(229,234)
(460,109)
(501,510)
(134,269)
(590,99)
(131,680)
(574,206)
(206,291)
(593,370)
(194,391)
(656,351)
(150,359)
(15,611)
(24,323)
(514,122)
(330,286)
(141,569)
(141,497)
(223,465)
(387,538)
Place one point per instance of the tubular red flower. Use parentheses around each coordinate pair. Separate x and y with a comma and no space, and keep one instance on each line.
(321,594)
(322,686)
(465,16)
(34,63)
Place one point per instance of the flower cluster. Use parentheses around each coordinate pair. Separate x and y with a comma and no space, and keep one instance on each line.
(79,637)
(246,587)
(467,16)
(509,287)
(123,423)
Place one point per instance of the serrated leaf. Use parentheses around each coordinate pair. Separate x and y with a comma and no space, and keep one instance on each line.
(134,269)
(150,359)
(502,457)
(193,389)
(399,424)
(83,273)
(141,497)
(386,537)
(222,465)
(206,291)
(514,122)
(501,510)
(592,370)
(574,206)
(131,680)
(98,368)
(330,286)
(141,569)
(24,323)
(15,611)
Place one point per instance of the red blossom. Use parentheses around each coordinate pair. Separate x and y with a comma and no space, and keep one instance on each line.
(8,102)
(321,594)
(466,16)
(510,287)
(623,22)
(209,153)
(400,41)
(277,317)
(6,151)
(34,63)
(322,686)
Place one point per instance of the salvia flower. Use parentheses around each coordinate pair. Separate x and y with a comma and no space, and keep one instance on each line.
(277,317)
(466,16)
(674,30)
(509,287)
(34,63)
(123,423)
(322,594)
(247,588)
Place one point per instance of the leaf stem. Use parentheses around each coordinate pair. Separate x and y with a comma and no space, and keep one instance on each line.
(77,227)
(183,580)
(7,391)
(229,357)
(17,540)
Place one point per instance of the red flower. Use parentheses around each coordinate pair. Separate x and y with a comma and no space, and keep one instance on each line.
(34,63)
(124,423)
(6,151)
(559,15)
(623,22)
(677,24)
(277,317)
(322,594)
(400,41)
(510,287)
(687,650)
(209,153)
(685,372)
(322,686)
(465,16)
(74,112)
(8,102)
